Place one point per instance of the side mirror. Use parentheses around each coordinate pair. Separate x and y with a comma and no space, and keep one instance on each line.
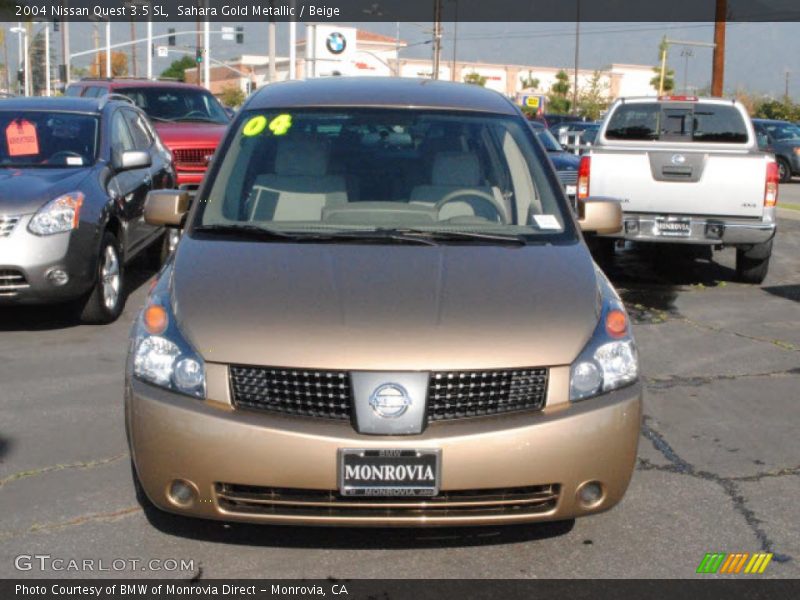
(600,215)
(166,207)
(132,159)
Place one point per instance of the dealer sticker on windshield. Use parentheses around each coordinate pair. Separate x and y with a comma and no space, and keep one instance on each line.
(546,222)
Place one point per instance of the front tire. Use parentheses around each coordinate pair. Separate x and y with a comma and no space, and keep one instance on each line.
(784,171)
(107,298)
(752,264)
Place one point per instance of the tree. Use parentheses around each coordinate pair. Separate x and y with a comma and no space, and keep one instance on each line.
(177,69)
(669,74)
(475,79)
(593,100)
(558,98)
(529,82)
(38,64)
(119,65)
(232,96)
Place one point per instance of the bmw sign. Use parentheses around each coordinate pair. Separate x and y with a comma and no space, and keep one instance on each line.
(336,43)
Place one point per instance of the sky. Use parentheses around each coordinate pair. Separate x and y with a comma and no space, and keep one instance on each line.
(758,54)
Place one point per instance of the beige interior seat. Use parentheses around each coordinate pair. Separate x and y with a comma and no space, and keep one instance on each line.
(457,172)
(300,187)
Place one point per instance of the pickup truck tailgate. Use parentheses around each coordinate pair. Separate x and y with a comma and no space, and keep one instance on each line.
(678,180)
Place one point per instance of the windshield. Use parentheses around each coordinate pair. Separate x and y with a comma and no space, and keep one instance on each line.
(783,132)
(47,139)
(716,123)
(176,104)
(549,141)
(383,170)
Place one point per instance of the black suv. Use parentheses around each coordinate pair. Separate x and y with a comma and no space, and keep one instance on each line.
(74,174)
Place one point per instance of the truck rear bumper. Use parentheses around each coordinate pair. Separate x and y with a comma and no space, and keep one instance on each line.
(647,227)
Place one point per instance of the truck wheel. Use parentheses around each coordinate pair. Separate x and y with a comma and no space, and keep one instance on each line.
(784,171)
(752,263)
(107,298)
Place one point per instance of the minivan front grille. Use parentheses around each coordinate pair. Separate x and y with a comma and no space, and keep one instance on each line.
(463,394)
(328,394)
(300,392)
(11,282)
(7,225)
(255,500)
(193,157)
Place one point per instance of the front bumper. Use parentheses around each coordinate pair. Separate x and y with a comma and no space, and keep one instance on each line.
(190,180)
(277,459)
(26,260)
(724,231)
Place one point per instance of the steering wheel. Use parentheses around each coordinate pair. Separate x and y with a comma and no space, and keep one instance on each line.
(64,154)
(485,197)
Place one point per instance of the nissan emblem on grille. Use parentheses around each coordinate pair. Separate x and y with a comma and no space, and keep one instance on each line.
(390,400)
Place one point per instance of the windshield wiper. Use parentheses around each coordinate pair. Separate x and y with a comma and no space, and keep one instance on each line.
(445,235)
(160,119)
(266,234)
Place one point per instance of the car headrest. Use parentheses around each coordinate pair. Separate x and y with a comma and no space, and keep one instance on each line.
(307,158)
(456,168)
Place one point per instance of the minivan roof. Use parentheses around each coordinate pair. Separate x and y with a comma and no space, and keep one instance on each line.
(380,92)
(62,103)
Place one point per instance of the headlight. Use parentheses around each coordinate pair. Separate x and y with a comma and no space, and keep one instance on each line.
(161,355)
(57,216)
(610,360)
(797,151)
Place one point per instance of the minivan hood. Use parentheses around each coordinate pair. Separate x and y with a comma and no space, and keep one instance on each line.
(24,191)
(190,134)
(376,307)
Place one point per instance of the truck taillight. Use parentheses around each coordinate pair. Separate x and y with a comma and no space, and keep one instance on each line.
(583,176)
(771,190)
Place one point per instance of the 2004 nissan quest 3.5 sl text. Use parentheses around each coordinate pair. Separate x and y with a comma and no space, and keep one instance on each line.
(382,312)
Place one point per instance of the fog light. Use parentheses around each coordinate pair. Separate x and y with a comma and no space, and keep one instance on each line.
(182,493)
(631,226)
(57,276)
(590,494)
(714,231)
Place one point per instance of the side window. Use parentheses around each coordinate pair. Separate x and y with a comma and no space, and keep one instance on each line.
(73,91)
(121,139)
(142,139)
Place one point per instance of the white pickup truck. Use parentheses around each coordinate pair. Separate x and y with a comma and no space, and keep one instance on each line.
(688,171)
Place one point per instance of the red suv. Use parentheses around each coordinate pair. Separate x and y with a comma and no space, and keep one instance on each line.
(189,120)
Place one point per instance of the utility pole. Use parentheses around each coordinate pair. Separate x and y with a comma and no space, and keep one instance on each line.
(109,72)
(149,49)
(293,46)
(272,31)
(96,42)
(206,54)
(718,69)
(437,37)
(133,49)
(5,59)
(65,50)
(455,43)
(577,55)
(786,92)
(47,59)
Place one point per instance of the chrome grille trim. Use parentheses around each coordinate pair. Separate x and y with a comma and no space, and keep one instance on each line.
(328,394)
(251,499)
(194,157)
(7,225)
(464,394)
(11,281)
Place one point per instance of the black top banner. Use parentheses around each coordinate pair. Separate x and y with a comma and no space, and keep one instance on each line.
(321,11)
(401,589)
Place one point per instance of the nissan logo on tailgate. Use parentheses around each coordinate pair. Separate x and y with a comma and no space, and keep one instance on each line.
(678,159)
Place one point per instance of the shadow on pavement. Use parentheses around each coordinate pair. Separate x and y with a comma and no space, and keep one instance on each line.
(788,292)
(5,446)
(350,538)
(41,317)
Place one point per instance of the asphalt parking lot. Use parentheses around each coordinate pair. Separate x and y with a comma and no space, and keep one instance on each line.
(718,471)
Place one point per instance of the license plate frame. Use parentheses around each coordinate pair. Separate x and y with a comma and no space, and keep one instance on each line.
(389,457)
(676,227)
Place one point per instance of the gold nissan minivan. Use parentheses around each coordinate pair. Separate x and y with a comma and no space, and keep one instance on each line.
(382,312)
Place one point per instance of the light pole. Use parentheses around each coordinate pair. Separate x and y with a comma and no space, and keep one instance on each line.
(577,55)
(687,53)
(292,44)
(108,49)
(46,59)
(22,51)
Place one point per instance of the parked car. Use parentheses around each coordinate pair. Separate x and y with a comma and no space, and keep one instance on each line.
(337,342)
(566,164)
(74,175)
(689,172)
(188,118)
(550,120)
(782,139)
(576,138)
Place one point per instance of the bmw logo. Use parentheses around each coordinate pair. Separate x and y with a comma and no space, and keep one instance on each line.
(336,43)
(390,400)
